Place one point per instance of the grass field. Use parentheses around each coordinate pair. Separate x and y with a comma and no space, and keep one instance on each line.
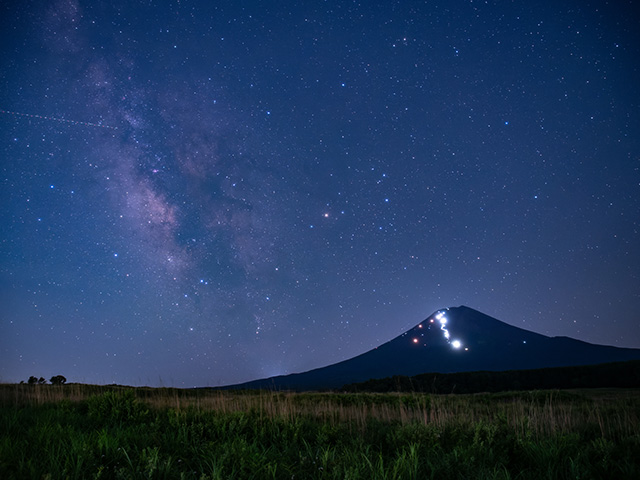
(90,432)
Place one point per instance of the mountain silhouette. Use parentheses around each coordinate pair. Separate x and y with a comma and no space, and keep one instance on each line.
(456,339)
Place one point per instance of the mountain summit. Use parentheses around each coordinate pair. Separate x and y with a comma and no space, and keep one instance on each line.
(456,339)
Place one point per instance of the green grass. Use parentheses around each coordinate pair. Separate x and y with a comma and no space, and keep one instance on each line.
(84,432)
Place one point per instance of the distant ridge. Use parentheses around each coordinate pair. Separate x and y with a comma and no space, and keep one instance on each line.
(603,375)
(456,339)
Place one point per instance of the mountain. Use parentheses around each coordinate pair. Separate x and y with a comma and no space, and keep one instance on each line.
(456,339)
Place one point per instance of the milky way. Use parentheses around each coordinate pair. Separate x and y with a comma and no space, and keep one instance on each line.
(204,193)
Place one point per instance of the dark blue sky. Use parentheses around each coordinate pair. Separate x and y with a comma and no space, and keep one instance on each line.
(204,193)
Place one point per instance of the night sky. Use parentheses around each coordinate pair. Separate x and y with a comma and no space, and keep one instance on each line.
(207,192)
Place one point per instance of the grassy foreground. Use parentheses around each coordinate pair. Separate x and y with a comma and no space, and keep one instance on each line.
(89,432)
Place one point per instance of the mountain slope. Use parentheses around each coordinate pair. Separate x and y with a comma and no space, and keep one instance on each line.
(457,339)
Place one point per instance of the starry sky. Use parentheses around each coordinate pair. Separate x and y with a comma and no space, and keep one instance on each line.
(207,192)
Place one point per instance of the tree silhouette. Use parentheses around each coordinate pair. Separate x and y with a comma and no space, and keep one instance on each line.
(41,381)
(57,380)
(32,380)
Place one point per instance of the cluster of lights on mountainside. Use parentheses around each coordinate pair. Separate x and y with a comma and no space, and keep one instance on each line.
(441,318)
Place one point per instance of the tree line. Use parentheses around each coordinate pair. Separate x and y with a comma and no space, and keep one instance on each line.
(55,380)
